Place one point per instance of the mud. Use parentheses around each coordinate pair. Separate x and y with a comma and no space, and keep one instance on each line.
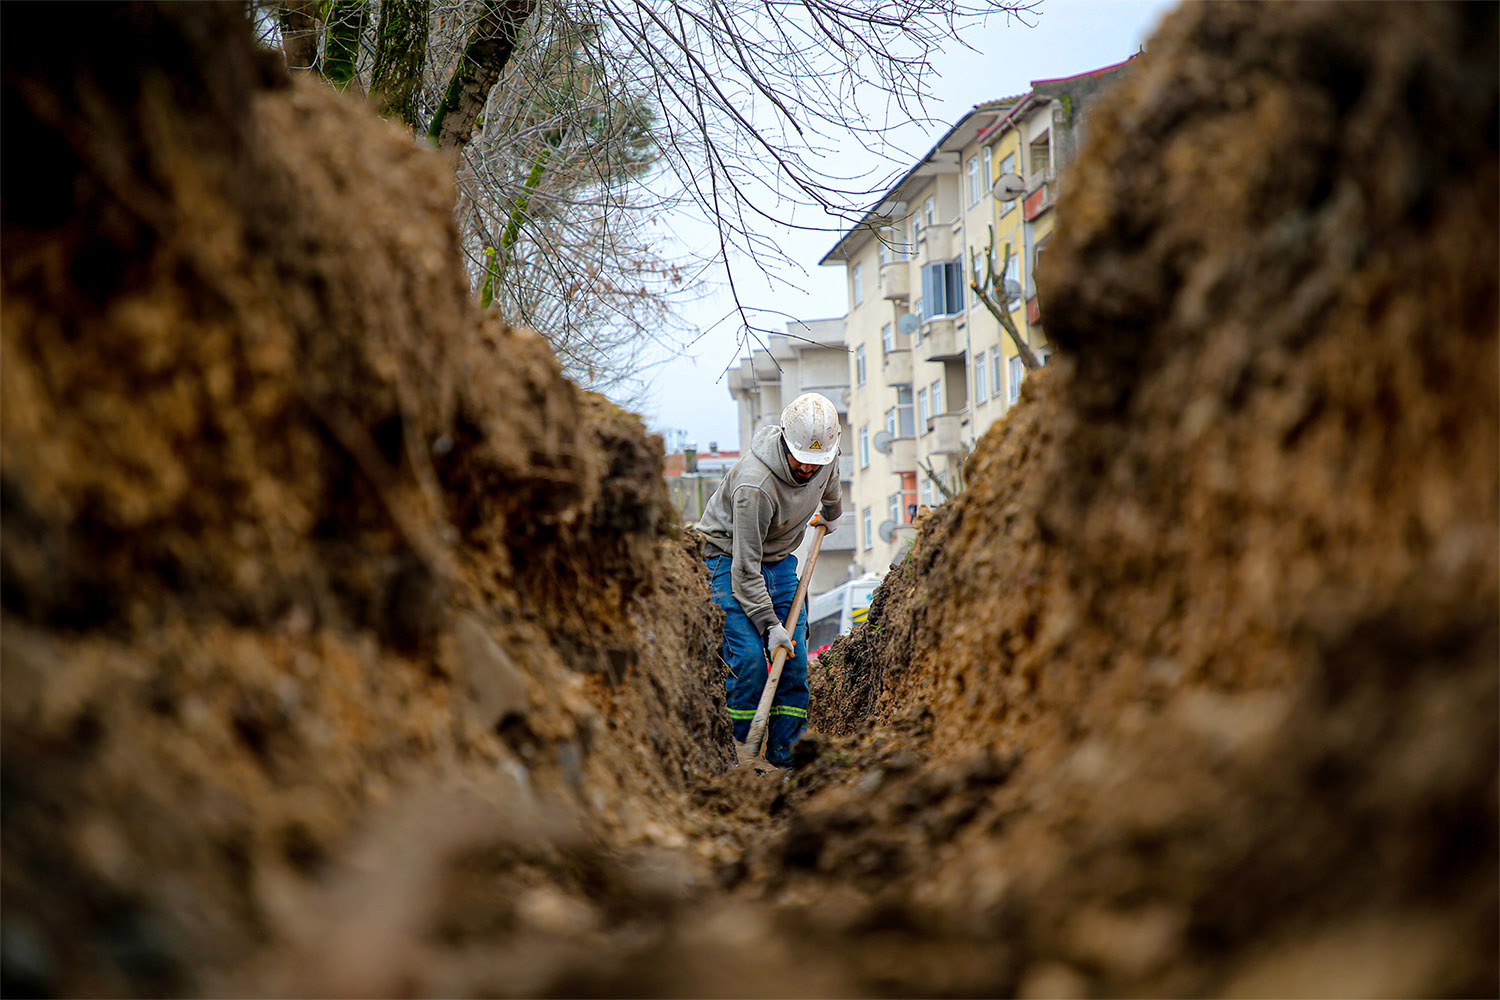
(349,649)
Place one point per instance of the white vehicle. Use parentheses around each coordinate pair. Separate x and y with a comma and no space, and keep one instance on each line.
(836,612)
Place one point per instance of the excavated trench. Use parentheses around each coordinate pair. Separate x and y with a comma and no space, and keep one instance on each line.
(347,648)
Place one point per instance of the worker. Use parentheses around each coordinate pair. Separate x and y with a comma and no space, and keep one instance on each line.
(786,482)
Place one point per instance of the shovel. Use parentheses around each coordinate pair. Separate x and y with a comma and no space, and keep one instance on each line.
(753,750)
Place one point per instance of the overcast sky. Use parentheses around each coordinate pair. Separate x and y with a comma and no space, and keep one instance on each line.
(690,394)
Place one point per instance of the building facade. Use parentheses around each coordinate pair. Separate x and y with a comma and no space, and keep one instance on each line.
(692,477)
(930,367)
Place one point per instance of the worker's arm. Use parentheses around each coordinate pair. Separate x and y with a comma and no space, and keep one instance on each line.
(833,498)
(752,519)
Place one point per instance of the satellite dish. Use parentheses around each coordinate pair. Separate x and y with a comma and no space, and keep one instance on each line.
(908,324)
(846,396)
(882,442)
(1008,187)
(887,530)
(1012,289)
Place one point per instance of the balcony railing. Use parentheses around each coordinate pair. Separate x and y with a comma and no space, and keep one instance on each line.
(895,279)
(937,242)
(1038,201)
(942,342)
(842,540)
(947,434)
(897,367)
(903,454)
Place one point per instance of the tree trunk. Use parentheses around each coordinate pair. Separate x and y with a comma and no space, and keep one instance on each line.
(400,54)
(346,20)
(299,33)
(998,309)
(489,48)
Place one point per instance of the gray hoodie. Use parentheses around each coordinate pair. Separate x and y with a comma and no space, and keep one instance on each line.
(759,514)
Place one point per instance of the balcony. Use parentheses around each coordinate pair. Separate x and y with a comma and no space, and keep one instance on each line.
(943,342)
(842,540)
(903,454)
(1038,201)
(895,279)
(937,243)
(947,434)
(897,367)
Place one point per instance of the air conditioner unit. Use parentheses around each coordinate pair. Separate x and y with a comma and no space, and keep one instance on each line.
(887,530)
(882,442)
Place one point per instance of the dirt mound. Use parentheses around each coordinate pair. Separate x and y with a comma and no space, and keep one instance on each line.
(348,649)
(1226,583)
(288,527)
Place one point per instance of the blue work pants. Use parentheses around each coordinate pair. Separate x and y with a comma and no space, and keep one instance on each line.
(745,652)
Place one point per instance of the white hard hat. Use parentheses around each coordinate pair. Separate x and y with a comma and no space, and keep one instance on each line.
(810,425)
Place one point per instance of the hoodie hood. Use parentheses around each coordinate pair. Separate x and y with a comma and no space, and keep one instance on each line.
(766,446)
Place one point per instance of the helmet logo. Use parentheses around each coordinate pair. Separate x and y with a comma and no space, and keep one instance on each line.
(815,446)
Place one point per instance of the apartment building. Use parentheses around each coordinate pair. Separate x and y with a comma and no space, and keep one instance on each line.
(692,476)
(810,357)
(930,368)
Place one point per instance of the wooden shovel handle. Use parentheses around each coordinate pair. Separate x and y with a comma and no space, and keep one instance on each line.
(753,749)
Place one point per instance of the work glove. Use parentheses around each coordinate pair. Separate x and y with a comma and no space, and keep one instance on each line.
(828,526)
(776,637)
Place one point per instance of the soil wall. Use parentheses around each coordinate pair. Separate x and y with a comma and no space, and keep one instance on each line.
(1222,590)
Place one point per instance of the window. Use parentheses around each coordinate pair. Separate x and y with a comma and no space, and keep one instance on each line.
(981,393)
(929,212)
(893,508)
(1017,373)
(1036,261)
(997,371)
(1008,166)
(916,308)
(942,289)
(922,411)
(883,246)
(865,524)
(989,167)
(974,180)
(864,447)
(890,422)
(925,492)
(859,284)
(937,397)
(916,234)
(887,338)
(1039,158)
(903,411)
(859,365)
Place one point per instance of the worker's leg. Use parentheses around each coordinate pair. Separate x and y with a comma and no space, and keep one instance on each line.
(743,651)
(789,710)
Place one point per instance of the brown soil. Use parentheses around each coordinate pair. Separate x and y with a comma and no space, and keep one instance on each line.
(349,649)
